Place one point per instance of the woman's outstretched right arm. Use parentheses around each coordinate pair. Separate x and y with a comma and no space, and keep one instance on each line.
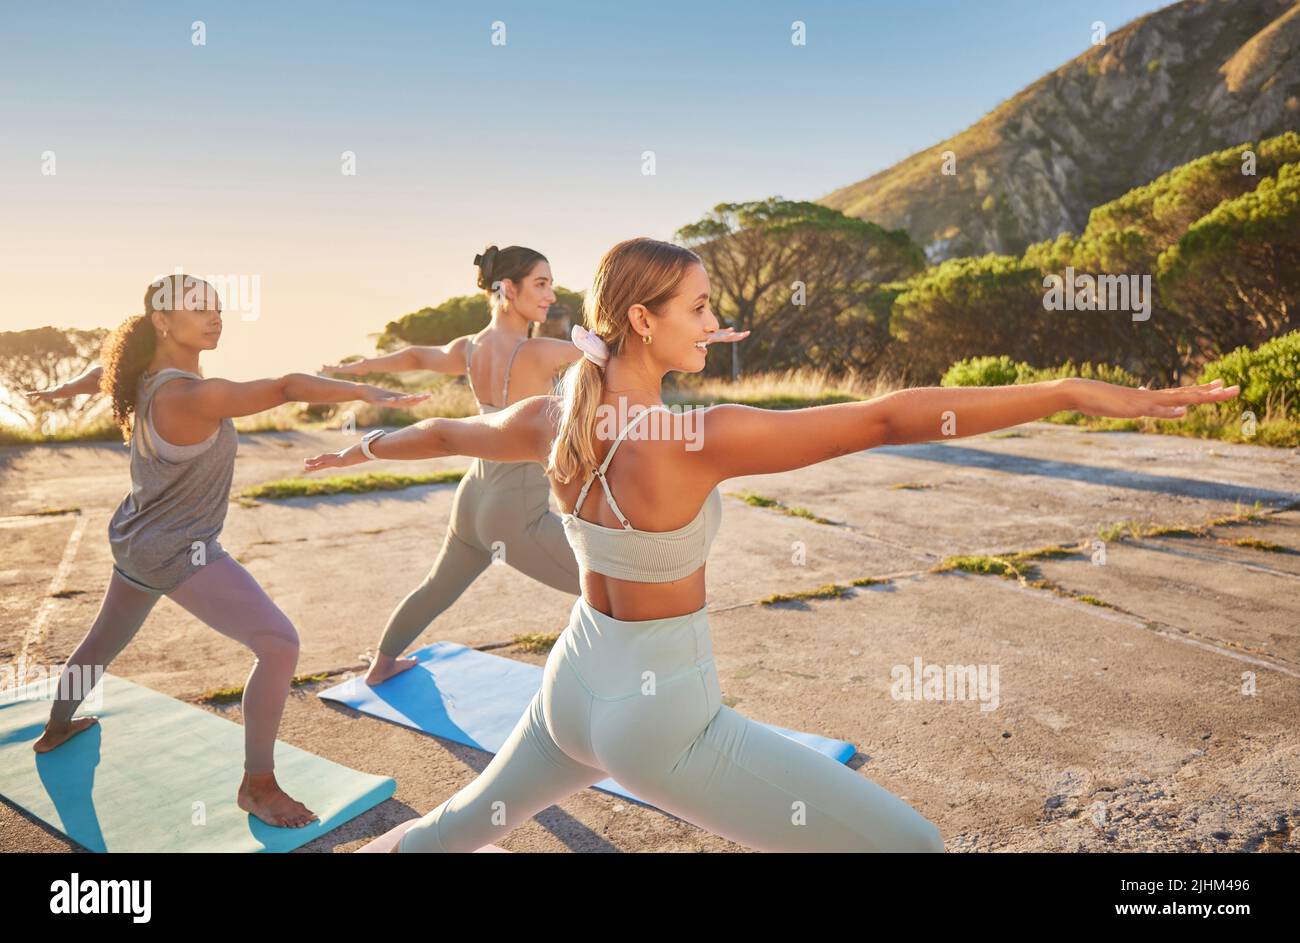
(449,359)
(519,433)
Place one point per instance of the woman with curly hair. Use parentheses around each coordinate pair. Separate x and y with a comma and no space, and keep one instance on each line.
(164,532)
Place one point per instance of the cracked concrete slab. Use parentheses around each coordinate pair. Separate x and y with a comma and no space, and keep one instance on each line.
(1169,729)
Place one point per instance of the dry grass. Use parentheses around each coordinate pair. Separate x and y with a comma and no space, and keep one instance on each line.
(787,389)
(345,484)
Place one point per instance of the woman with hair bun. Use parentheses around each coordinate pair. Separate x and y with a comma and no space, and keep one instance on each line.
(164,532)
(500,510)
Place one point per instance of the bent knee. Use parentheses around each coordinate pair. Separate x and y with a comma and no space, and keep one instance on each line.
(277,642)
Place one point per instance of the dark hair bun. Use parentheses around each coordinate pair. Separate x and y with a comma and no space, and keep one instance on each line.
(485,262)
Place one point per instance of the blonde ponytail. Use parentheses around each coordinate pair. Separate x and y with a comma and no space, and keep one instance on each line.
(636,271)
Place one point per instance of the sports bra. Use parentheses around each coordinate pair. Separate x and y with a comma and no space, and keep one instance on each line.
(505,390)
(641,556)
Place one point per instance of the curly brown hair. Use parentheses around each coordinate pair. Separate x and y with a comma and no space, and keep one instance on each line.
(128,350)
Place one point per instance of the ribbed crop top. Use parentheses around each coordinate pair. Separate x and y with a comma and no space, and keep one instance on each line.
(642,556)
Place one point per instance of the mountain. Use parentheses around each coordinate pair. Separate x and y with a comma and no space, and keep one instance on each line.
(1188,79)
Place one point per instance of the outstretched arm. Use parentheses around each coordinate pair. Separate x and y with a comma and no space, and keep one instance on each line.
(742,440)
(87,382)
(449,359)
(219,399)
(518,433)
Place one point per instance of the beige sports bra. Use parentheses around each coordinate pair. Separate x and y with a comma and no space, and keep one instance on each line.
(642,556)
(505,389)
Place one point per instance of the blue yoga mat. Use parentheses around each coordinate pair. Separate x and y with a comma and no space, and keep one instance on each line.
(476,698)
(157,774)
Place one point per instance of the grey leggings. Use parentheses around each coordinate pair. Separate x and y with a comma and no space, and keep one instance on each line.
(500,512)
(225,596)
(640,701)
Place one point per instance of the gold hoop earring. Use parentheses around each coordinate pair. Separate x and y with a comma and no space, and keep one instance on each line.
(645,338)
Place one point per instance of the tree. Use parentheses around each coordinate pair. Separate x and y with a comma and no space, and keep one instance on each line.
(986,306)
(800,276)
(43,357)
(1235,273)
(467,314)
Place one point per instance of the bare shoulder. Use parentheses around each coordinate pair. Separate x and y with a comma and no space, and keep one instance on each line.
(548,353)
(181,387)
(737,440)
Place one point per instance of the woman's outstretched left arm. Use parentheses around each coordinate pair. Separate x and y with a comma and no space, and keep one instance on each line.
(741,440)
(932,412)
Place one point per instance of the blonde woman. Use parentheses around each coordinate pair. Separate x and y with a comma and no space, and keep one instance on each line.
(630,689)
(500,510)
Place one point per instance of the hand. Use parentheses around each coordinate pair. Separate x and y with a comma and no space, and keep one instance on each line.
(352,455)
(1096,398)
(38,396)
(349,369)
(727,335)
(377,394)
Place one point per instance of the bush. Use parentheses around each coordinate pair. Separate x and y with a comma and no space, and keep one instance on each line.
(1269,375)
(982,371)
(1002,371)
(1105,372)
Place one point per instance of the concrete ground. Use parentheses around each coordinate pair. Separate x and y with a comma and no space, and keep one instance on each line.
(1162,720)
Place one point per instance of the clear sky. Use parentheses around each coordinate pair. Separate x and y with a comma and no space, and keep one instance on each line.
(225,159)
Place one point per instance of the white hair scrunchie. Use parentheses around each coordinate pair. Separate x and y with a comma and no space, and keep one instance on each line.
(591,345)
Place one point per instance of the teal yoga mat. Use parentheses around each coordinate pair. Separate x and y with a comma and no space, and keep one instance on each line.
(476,698)
(157,774)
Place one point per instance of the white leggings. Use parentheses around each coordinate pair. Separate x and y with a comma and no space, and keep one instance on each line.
(640,701)
(225,596)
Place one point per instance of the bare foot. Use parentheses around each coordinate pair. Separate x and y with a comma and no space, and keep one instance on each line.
(261,796)
(54,736)
(385,667)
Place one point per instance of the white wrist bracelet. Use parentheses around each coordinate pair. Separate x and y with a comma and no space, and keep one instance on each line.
(367,439)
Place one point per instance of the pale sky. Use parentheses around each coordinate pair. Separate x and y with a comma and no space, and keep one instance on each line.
(224,159)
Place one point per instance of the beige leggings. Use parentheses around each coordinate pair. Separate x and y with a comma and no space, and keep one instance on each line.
(500,512)
(640,701)
(225,596)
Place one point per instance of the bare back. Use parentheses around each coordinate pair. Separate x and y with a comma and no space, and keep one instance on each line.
(503,369)
(661,485)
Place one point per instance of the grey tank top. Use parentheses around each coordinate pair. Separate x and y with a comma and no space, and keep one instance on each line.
(178,497)
(642,556)
(502,475)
